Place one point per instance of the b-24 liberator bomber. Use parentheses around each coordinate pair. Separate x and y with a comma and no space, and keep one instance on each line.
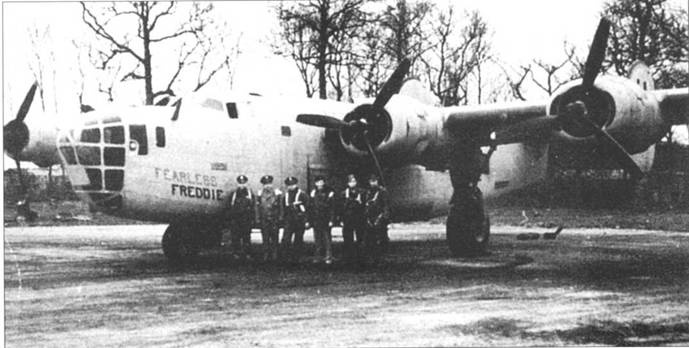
(172,164)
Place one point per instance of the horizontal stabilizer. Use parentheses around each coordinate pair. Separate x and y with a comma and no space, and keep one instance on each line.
(674,105)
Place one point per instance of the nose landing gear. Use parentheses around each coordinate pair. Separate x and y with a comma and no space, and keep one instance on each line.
(183,240)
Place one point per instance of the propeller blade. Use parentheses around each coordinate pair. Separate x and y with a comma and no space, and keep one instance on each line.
(321,121)
(576,111)
(26,104)
(20,178)
(597,53)
(375,160)
(393,84)
(619,154)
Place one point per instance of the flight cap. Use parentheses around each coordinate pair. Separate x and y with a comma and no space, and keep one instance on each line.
(267,179)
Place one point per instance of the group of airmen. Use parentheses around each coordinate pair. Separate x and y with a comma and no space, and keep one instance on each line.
(362,212)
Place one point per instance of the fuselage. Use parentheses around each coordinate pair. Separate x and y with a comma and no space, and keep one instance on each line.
(139,163)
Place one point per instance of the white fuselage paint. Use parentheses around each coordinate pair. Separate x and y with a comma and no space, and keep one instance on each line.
(205,151)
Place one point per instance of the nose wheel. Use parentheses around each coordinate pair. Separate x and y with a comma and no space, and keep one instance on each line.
(178,246)
(184,240)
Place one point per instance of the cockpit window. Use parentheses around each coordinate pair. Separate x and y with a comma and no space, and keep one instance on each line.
(113,135)
(90,135)
(160,137)
(88,155)
(213,104)
(113,156)
(68,152)
(138,133)
(232,110)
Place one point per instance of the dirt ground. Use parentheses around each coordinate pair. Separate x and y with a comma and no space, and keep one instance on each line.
(111,286)
(522,213)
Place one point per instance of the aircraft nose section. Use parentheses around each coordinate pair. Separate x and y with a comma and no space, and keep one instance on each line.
(94,159)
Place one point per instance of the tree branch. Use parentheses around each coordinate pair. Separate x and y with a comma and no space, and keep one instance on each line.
(92,22)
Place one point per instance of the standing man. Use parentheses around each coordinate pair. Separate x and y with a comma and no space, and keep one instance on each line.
(352,217)
(322,216)
(268,217)
(242,204)
(377,218)
(295,213)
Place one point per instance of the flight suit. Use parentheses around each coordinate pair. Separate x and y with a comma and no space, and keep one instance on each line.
(322,216)
(268,216)
(242,205)
(377,218)
(295,214)
(353,220)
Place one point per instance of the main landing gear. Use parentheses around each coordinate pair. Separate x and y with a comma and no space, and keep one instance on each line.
(183,240)
(468,227)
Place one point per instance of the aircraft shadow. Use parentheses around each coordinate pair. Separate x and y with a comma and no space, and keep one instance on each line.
(415,264)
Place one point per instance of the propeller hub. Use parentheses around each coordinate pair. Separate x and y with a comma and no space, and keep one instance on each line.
(579,103)
(369,121)
(16,137)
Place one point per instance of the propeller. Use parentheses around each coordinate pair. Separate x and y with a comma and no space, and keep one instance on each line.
(577,111)
(16,133)
(367,125)
(594,61)
(322,121)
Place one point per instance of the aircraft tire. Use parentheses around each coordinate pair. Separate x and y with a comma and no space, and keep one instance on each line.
(177,244)
(468,229)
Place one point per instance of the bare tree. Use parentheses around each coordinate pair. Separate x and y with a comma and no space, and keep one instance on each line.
(322,31)
(552,76)
(373,62)
(549,80)
(454,55)
(515,79)
(576,61)
(208,65)
(297,39)
(403,26)
(482,54)
(147,32)
(42,67)
(37,64)
(651,31)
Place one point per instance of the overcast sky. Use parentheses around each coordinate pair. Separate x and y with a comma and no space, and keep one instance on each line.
(522,30)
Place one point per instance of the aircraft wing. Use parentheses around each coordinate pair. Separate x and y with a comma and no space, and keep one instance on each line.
(513,122)
(674,105)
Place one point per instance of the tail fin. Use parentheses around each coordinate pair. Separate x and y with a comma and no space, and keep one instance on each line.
(415,89)
(641,75)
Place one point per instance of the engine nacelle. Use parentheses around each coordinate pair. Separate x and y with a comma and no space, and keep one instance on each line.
(624,109)
(405,132)
(40,148)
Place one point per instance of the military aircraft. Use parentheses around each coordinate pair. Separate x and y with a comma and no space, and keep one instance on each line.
(174,164)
